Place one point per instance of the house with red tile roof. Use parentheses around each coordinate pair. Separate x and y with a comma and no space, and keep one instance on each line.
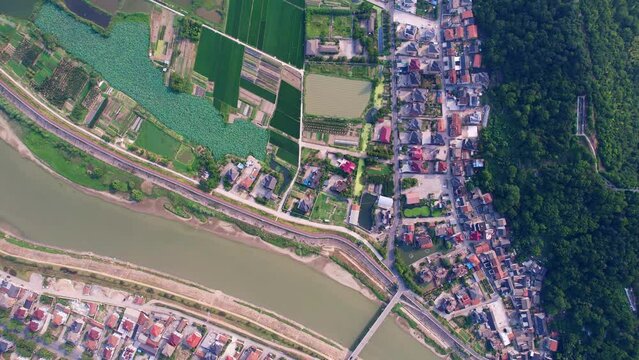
(156,330)
(416,153)
(468,14)
(35,325)
(59,318)
(449,34)
(107,353)
(482,248)
(347,166)
(93,309)
(552,345)
(91,345)
(441,125)
(175,338)
(471,32)
(143,318)
(113,340)
(21,313)
(456,125)
(474,261)
(94,333)
(40,313)
(193,339)
(112,321)
(487,199)
(127,325)
(477,61)
(385,135)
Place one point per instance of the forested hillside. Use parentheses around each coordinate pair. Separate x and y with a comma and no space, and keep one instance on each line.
(612,37)
(543,54)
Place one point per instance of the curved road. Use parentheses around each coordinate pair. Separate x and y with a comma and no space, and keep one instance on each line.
(192,193)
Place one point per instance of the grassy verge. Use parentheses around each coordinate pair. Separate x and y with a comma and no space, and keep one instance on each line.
(287,322)
(380,294)
(413,325)
(67,160)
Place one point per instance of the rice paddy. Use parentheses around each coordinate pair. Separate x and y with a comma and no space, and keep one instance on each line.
(287,113)
(220,60)
(274,26)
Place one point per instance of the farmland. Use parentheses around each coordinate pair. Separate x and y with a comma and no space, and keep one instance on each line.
(157,141)
(287,114)
(220,60)
(121,58)
(337,97)
(288,150)
(274,26)
(65,83)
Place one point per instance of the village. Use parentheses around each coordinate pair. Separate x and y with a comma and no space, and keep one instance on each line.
(60,318)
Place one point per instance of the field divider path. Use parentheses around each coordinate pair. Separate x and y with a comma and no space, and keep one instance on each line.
(300,71)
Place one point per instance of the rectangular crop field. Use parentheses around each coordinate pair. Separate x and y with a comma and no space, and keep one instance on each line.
(287,112)
(336,97)
(220,60)
(157,141)
(257,90)
(274,26)
(288,149)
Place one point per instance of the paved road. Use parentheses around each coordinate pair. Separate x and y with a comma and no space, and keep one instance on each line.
(378,322)
(346,245)
(429,321)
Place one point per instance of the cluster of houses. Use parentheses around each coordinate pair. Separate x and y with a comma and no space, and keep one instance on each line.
(105,331)
(247,179)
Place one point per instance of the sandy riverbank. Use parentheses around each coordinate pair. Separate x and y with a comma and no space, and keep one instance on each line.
(155,207)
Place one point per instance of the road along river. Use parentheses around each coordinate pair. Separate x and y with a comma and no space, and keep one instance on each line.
(46,209)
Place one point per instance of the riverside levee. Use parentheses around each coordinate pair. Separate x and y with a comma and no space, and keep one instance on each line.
(40,207)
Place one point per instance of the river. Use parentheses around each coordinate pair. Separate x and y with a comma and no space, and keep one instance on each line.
(43,208)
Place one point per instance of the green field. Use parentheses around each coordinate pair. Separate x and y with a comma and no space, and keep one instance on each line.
(342,26)
(220,60)
(274,26)
(317,25)
(421,211)
(157,141)
(184,159)
(327,208)
(17,68)
(287,112)
(261,92)
(288,149)
(72,164)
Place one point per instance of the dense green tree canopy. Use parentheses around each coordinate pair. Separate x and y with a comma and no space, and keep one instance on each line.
(543,54)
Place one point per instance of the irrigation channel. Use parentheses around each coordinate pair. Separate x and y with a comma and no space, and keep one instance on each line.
(43,208)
